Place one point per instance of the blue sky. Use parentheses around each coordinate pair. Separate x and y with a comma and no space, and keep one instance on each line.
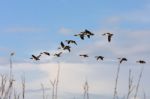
(31,20)
(31,26)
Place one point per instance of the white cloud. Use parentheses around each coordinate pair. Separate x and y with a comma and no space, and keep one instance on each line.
(65,31)
(139,17)
(140,34)
(3,61)
(73,75)
(113,20)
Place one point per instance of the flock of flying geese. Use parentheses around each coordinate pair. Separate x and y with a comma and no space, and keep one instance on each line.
(81,35)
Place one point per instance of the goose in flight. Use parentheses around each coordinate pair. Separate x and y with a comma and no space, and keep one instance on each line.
(122,59)
(88,33)
(71,41)
(65,47)
(58,54)
(141,61)
(81,35)
(84,55)
(46,53)
(109,36)
(99,57)
(12,54)
(36,57)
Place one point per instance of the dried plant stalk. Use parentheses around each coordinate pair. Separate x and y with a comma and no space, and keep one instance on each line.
(130,84)
(43,89)
(86,90)
(23,87)
(138,84)
(116,81)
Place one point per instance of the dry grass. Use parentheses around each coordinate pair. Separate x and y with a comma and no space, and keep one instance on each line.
(43,89)
(116,81)
(8,91)
(130,84)
(23,87)
(138,83)
(86,90)
(54,84)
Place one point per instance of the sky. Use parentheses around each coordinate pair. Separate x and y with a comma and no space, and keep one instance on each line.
(32,26)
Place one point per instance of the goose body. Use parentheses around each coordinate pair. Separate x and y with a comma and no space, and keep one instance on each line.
(141,61)
(99,57)
(109,36)
(122,59)
(81,35)
(58,54)
(84,55)
(71,41)
(65,47)
(46,53)
(87,33)
(36,57)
